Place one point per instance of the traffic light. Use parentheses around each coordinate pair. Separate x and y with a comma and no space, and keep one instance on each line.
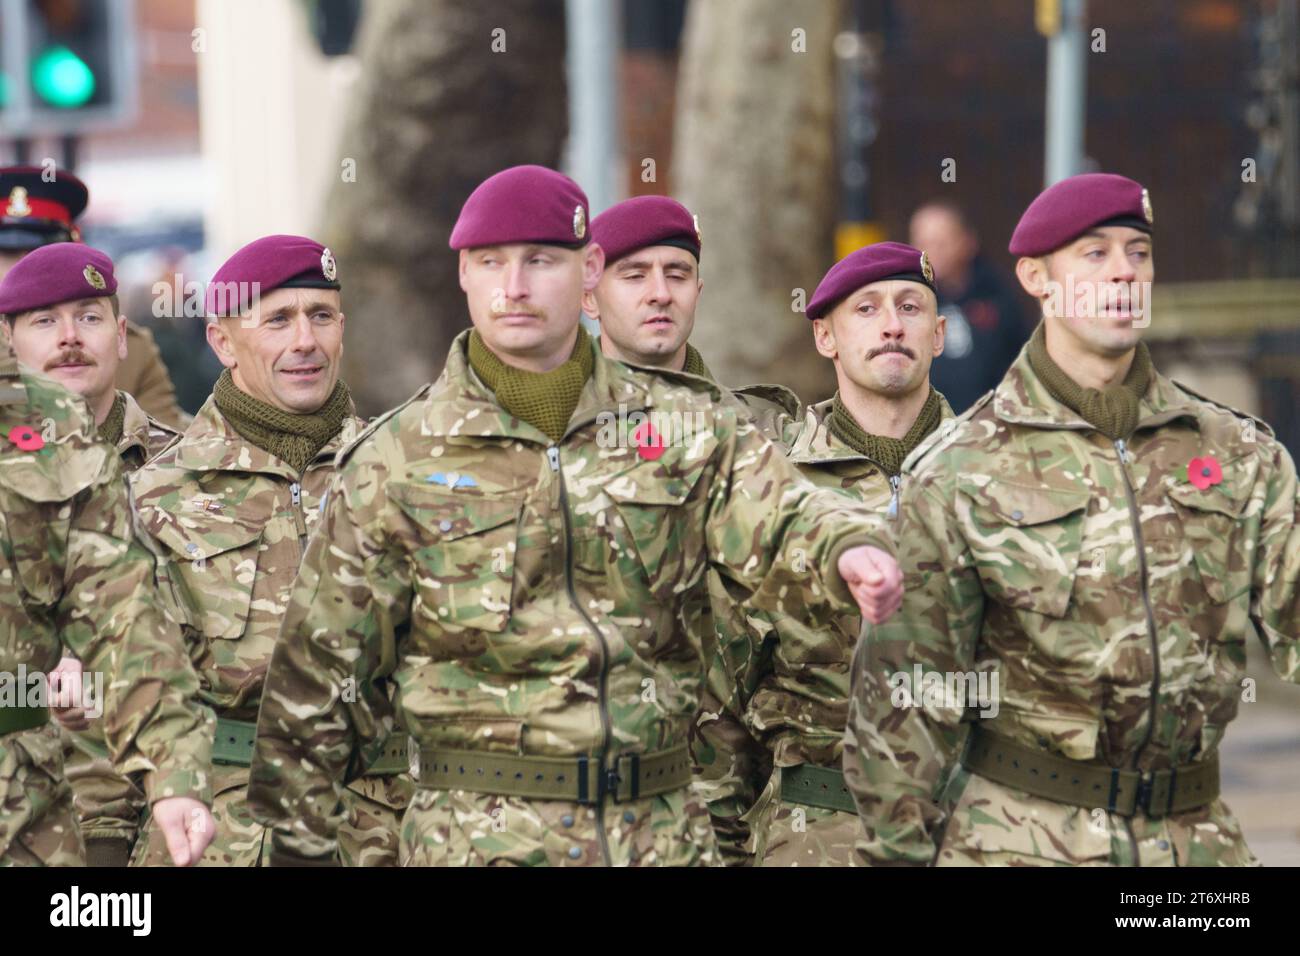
(72,69)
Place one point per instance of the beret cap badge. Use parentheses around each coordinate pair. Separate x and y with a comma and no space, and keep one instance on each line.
(328,267)
(696,220)
(18,205)
(94,278)
(579,222)
(1147,212)
(927,270)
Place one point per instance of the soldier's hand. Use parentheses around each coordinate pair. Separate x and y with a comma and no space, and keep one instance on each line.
(188,826)
(65,695)
(874,580)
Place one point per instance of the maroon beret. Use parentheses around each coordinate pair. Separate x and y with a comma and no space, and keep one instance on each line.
(645,221)
(874,263)
(1065,211)
(267,264)
(60,272)
(523,204)
(36,209)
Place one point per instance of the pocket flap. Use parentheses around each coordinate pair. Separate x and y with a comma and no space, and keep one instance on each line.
(1228,497)
(193,535)
(449,515)
(1023,505)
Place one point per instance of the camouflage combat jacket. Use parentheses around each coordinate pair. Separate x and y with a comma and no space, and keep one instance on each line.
(73,577)
(524,597)
(1109,586)
(232,523)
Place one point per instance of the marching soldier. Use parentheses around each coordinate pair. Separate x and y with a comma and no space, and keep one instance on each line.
(76,579)
(875,316)
(1083,553)
(40,207)
(645,303)
(231,506)
(79,344)
(510,552)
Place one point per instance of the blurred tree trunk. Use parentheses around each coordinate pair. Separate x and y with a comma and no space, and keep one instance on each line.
(434,112)
(754,158)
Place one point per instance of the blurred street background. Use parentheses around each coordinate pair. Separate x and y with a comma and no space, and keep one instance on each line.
(797,130)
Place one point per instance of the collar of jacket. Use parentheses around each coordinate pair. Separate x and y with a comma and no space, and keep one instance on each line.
(1022,399)
(136,425)
(816,445)
(212,444)
(460,404)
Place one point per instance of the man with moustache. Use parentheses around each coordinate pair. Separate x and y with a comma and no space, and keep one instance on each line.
(875,317)
(39,206)
(1096,537)
(510,552)
(645,303)
(79,344)
(231,506)
(78,581)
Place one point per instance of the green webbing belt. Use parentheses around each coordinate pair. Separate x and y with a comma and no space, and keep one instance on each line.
(233,745)
(1125,792)
(815,786)
(582,779)
(14,719)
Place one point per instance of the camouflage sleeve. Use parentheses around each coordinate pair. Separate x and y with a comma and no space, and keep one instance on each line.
(109,805)
(778,537)
(1275,590)
(109,618)
(325,710)
(732,765)
(896,755)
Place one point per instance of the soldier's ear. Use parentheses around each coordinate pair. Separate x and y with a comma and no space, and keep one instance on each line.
(940,332)
(121,338)
(219,342)
(593,264)
(461,269)
(1033,275)
(824,339)
(589,305)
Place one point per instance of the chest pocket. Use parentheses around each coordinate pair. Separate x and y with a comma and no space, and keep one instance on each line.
(1025,541)
(648,509)
(462,557)
(210,568)
(37,516)
(1214,528)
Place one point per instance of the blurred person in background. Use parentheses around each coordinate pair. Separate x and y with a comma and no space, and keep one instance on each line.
(986,327)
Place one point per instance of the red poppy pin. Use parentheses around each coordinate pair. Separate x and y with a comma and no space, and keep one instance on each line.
(1203,472)
(649,443)
(27,439)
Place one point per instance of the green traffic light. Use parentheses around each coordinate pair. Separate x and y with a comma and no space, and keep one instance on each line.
(4,90)
(62,79)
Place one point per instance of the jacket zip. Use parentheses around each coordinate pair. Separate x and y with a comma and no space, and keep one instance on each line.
(1122,450)
(894,482)
(553,456)
(295,497)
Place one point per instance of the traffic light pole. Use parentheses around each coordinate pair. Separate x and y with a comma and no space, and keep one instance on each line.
(18,110)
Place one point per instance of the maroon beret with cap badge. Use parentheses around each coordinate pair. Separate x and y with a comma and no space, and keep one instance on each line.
(874,263)
(523,204)
(59,272)
(645,221)
(1065,211)
(267,264)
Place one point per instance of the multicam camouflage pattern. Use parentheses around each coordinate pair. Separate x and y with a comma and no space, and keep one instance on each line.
(526,598)
(789,684)
(108,804)
(1035,547)
(231,522)
(73,577)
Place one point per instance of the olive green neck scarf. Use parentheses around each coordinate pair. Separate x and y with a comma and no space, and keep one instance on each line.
(1112,411)
(111,428)
(695,363)
(545,400)
(888,453)
(295,439)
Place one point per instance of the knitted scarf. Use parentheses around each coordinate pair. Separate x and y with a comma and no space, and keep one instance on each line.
(110,430)
(888,453)
(695,363)
(545,400)
(1112,411)
(293,438)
